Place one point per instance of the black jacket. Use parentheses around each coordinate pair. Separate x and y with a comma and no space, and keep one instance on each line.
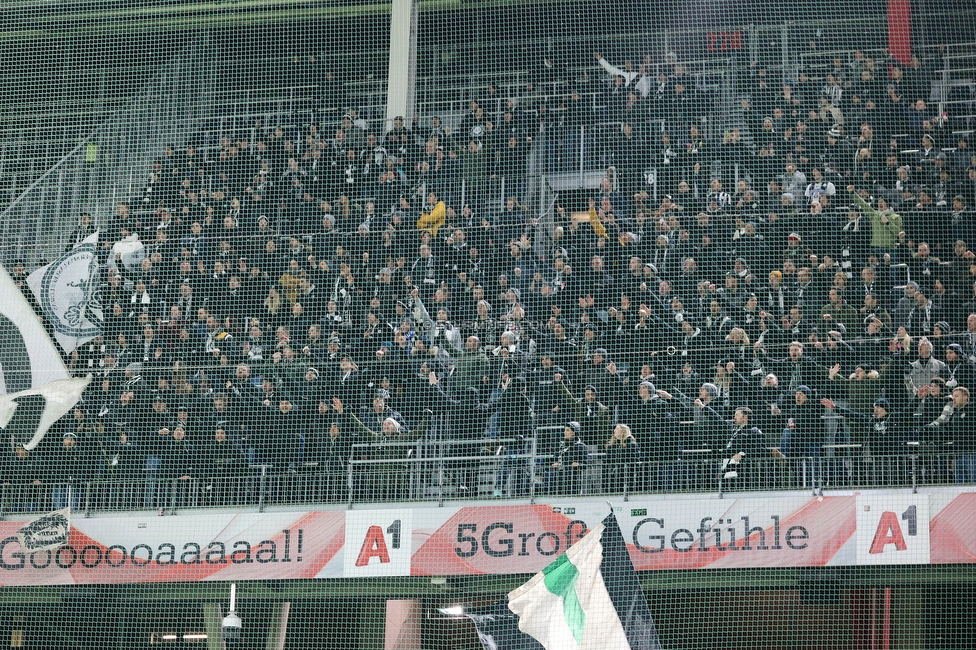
(571,451)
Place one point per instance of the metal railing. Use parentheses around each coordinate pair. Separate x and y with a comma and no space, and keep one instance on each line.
(112,162)
(513,469)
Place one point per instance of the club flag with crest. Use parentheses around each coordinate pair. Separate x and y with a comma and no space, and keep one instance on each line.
(67,290)
(590,598)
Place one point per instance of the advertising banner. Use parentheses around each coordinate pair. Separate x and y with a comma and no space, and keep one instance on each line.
(871,528)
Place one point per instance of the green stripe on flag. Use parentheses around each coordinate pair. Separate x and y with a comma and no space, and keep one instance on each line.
(560,580)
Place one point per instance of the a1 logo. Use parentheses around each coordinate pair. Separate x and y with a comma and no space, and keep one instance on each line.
(893,529)
(378,543)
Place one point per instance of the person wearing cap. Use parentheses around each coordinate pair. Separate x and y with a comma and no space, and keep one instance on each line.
(569,462)
(650,417)
(804,434)
(932,401)
(905,304)
(837,149)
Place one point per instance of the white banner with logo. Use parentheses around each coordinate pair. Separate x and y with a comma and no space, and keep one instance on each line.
(68,292)
(46,533)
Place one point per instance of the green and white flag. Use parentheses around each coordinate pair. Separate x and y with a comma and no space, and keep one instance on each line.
(589,598)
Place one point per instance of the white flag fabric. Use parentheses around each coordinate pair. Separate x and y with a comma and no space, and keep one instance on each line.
(567,606)
(28,414)
(130,252)
(68,292)
(46,533)
(28,357)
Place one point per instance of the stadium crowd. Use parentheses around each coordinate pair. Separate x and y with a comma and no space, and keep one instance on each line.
(312,289)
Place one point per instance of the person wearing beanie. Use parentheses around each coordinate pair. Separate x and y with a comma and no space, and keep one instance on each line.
(888,431)
(569,463)
(958,371)
(707,413)
(804,433)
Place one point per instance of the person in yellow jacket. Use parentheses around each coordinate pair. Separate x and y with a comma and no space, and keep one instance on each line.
(432,221)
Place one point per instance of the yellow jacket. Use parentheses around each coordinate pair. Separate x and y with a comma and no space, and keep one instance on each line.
(431,222)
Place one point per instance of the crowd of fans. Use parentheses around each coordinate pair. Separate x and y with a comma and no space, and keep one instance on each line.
(307,291)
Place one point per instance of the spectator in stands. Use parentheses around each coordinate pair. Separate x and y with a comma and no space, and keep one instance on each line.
(570,461)
(955,426)
(623,468)
(300,268)
(804,433)
(742,448)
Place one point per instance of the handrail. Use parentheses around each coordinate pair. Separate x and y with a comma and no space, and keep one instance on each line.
(135,100)
(50,170)
(356,481)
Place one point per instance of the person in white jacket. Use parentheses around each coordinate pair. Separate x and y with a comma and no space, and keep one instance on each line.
(639,79)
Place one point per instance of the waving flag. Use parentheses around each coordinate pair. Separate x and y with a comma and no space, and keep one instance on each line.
(28,358)
(26,416)
(46,533)
(588,599)
(68,293)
